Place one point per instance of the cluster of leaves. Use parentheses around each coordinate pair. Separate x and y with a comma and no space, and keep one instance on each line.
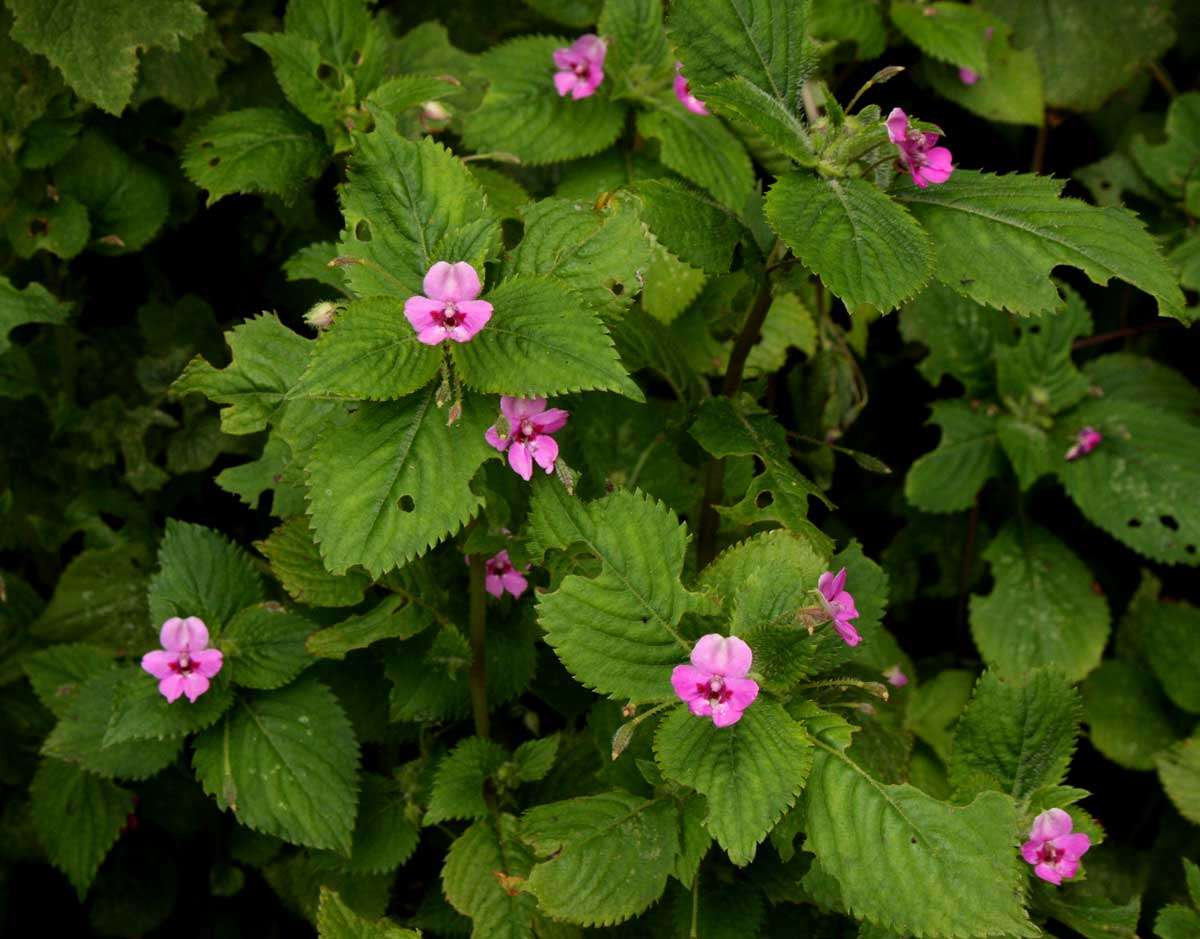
(388,753)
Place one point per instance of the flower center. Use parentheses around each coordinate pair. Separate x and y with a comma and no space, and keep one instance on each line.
(524,432)
(580,69)
(183,665)
(451,316)
(714,689)
(1050,854)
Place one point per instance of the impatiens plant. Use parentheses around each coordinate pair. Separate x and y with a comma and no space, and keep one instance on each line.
(465,469)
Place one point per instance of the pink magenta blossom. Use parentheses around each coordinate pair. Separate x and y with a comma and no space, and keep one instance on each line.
(683,91)
(580,67)
(502,576)
(895,677)
(839,605)
(968,76)
(1052,849)
(449,309)
(527,437)
(1086,441)
(188,663)
(715,684)
(924,162)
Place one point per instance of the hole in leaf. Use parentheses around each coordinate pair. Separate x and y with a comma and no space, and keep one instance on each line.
(325,72)
(39,227)
(1035,329)
(406,504)
(617,289)
(1168,521)
(362,231)
(357,58)
(764,499)
(206,145)
(1105,184)
(1135,523)
(1190,549)
(215,161)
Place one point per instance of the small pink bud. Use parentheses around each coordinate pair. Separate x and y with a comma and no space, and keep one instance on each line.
(683,91)
(1087,440)
(968,76)
(434,111)
(895,677)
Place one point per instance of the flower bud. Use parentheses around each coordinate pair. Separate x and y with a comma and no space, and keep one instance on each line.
(320,317)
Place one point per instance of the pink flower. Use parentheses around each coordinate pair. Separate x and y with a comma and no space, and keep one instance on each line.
(502,576)
(527,437)
(839,605)
(187,664)
(683,91)
(1052,849)
(449,309)
(715,684)
(580,67)
(895,677)
(924,162)
(968,76)
(1086,441)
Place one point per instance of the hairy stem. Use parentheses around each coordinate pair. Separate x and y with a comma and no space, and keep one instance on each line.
(714,474)
(479,701)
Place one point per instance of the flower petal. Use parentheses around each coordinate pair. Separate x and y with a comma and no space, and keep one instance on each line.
(475,315)
(422,312)
(545,450)
(1031,851)
(492,436)
(173,635)
(725,715)
(519,409)
(514,582)
(938,165)
(433,335)
(742,692)
(847,631)
(458,284)
(520,461)
(689,683)
(493,585)
(1051,824)
(1075,845)
(591,48)
(897,126)
(550,420)
(194,685)
(564,82)
(159,663)
(565,59)
(208,661)
(171,687)
(1048,873)
(722,655)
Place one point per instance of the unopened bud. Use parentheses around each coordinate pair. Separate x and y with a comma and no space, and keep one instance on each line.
(622,738)
(566,476)
(455,413)
(321,315)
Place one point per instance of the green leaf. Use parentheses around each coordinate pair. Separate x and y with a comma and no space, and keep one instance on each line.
(523,114)
(857,21)
(1062,623)
(952,32)
(573,13)
(1038,369)
(606,858)
(535,758)
(688,224)
(268,359)
(741,99)
(700,148)
(407,205)
(750,773)
(1139,485)
(962,337)
(638,55)
(1087,49)
(1167,634)
(31,304)
(616,632)
(668,285)
(779,493)
(1012,92)
(1015,736)
(187,78)
(968,455)
(60,227)
(458,785)
(263,150)
(384,834)
(57,672)
(762,40)
(598,252)
(1176,922)
(864,246)
(1126,714)
(296,561)
(286,763)
(127,201)
(541,341)
(391,618)
(1143,381)
(393,481)
(936,705)
(342,29)
(1171,165)
(470,882)
(335,920)
(140,712)
(96,46)
(297,63)
(370,353)
(1087,907)
(264,646)
(100,597)
(955,866)
(409,91)
(790,325)
(312,263)
(201,574)
(1031,230)
(79,736)
(1179,772)
(78,817)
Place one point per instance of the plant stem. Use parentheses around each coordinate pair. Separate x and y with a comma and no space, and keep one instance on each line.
(479,701)
(714,474)
(1039,147)
(1118,334)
